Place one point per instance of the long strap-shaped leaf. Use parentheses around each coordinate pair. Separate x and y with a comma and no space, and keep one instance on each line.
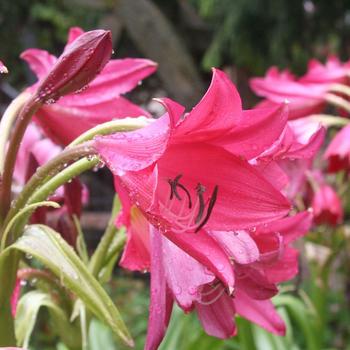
(49,248)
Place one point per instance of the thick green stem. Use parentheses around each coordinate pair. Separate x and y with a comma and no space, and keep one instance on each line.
(97,260)
(120,125)
(51,186)
(46,171)
(8,272)
(29,109)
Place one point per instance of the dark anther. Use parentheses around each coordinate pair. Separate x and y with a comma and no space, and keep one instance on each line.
(200,189)
(173,187)
(174,184)
(210,208)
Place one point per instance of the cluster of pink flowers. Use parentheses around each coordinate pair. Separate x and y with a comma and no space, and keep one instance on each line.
(323,84)
(208,196)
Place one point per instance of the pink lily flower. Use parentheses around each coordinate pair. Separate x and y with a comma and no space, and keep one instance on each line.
(3,68)
(99,102)
(278,87)
(187,172)
(338,151)
(327,206)
(333,71)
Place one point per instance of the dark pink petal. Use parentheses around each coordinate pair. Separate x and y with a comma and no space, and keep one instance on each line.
(261,312)
(238,245)
(74,32)
(255,290)
(217,317)
(73,194)
(205,250)
(39,61)
(136,255)
(290,228)
(161,301)
(175,110)
(327,206)
(117,77)
(63,122)
(285,268)
(135,150)
(338,151)
(184,274)
(333,71)
(218,111)
(258,129)
(15,297)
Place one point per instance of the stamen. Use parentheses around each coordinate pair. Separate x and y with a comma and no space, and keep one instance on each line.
(174,184)
(200,189)
(216,298)
(210,208)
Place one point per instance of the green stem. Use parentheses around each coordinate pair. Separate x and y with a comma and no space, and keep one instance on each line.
(338,101)
(97,260)
(24,117)
(52,185)
(8,272)
(120,125)
(329,120)
(46,171)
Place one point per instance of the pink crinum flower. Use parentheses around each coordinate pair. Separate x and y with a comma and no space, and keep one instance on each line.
(189,176)
(98,102)
(307,95)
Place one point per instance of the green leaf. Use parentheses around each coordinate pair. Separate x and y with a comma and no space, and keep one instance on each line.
(27,313)
(100,336)
(50,249)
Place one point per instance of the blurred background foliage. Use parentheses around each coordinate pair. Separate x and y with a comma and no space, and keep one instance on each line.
(244,37)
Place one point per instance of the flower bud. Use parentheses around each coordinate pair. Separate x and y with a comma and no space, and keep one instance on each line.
(327,207)
(79,64)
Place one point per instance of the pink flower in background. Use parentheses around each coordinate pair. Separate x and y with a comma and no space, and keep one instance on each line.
(327,206)
(338,151)
(3,68)
(182,174)
(277,87)
(35,150)
(333,71)
(99,102)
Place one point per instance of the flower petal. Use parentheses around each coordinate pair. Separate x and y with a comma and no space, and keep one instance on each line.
(238,245)
(257,131)
(217,318)
(136,255)
(161,302)
(218,111)
(40,61)
(261,312)
(63,122)
(184,274)
(135,150)
(74,32)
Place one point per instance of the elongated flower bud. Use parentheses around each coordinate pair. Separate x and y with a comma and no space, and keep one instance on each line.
(79,64)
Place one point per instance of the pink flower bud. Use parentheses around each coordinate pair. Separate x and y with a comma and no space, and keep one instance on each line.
(79,64)
(327,206)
